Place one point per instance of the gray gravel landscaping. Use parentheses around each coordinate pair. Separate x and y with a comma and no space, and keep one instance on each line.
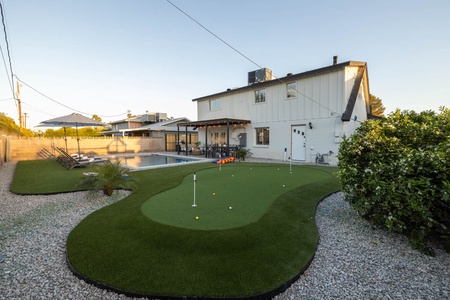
(353,260)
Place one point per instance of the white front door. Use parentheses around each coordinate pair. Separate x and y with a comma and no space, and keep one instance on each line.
(298,138)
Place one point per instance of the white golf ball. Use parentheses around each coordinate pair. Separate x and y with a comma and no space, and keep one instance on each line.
(283,185)
(231,207)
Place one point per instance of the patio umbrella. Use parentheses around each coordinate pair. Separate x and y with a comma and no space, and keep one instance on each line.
(72,120)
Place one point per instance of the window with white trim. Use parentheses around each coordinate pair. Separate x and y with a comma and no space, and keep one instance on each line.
(291,90)
(260,96)
(215,104)
(262,136)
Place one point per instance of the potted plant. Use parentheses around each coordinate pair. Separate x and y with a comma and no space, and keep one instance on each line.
(197,150)
(242,153)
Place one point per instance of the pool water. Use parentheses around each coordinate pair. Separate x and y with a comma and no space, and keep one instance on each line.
(152,160)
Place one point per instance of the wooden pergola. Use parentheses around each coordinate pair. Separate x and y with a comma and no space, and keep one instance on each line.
(228,122)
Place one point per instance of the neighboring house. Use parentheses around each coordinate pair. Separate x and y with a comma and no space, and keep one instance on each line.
(121,127)
(157,128)
(301,115)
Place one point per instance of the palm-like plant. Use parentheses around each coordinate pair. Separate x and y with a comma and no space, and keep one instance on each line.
(109,176)
(242,153)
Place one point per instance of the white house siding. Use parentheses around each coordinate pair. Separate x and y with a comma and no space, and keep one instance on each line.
(321,100)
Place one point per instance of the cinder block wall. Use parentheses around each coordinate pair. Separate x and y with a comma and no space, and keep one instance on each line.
(2,150)
(38,148)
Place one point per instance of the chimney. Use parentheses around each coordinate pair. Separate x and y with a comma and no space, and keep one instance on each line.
(335,58)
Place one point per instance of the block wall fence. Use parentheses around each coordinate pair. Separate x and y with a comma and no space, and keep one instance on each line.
(21,148)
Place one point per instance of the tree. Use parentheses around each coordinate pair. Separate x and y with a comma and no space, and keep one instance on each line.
(376,106)
(9,127)
(396,173)
(96,118)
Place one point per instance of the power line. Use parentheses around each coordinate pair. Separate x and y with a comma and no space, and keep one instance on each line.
(212,33)
(62,104)
(7,50)
(243,55)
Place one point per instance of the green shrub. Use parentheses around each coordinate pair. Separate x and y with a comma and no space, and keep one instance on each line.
(107,177)
(396,173)
(242,153)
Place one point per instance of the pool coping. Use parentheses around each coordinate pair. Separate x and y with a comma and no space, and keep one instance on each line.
(194,159)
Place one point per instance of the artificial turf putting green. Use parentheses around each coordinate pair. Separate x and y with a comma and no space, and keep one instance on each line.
(119,247)
(229,197)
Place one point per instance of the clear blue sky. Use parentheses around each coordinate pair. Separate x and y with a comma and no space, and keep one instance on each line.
(107,56)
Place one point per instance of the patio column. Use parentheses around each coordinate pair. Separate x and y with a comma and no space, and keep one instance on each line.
(177,143)
(228,138)
(206,140)
(187,141)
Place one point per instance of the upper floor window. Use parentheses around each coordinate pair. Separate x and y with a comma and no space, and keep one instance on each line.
(214,104)
(262,136)
(260,96)
(291,90)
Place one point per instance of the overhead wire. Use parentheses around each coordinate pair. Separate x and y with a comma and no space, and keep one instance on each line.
(62,104)
(243,55)
(8,52)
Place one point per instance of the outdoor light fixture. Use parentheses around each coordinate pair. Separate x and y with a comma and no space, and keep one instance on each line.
(310,125)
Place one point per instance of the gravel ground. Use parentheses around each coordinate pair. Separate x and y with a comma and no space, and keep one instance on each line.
(353,261)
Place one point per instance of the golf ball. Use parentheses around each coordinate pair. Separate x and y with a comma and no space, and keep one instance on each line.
(214,194)
(231,207)
(232,175)
(283,185)
(196,217)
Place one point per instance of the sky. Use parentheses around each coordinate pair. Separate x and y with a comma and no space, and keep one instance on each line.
(108,57)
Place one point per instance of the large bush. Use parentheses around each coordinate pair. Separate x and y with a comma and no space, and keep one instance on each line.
(396,172)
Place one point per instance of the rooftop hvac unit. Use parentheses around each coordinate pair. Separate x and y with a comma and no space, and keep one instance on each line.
(161,117)
(260,75)
(148,118)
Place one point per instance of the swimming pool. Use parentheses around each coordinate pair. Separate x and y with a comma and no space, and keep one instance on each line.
(154,160)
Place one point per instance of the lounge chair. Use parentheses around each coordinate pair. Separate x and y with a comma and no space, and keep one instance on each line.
(70,162)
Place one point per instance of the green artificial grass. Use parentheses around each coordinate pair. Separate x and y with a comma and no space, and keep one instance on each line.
(225,198)
(45,177)
(123,248)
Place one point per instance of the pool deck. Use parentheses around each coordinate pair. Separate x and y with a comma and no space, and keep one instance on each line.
(195,159)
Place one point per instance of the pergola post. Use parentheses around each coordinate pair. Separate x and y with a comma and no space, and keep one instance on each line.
(228,138)
(206,140)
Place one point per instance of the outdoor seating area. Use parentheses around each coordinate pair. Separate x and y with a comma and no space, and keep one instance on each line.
(220,151)
(75,160)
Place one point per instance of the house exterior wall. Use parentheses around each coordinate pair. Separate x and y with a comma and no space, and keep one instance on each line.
(321,100)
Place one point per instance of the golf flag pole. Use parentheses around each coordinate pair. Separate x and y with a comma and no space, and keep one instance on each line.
(220,161)
(195,182)
(290,163)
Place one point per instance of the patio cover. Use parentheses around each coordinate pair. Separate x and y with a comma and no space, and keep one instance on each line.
(213,122)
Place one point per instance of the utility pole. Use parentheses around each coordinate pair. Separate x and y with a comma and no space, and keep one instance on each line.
(25,120)
(19,105)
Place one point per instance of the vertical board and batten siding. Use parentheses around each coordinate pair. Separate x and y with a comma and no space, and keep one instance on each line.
(321,100)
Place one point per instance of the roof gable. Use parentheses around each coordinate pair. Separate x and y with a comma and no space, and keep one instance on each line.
(286,79)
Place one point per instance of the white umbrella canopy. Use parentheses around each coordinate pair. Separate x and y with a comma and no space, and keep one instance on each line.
(72,120)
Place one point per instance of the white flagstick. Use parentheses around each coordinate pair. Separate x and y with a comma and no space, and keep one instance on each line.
(290,164)
(220,161)
(195,182)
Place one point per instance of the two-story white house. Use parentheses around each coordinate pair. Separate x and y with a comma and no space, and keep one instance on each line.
(303,116)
